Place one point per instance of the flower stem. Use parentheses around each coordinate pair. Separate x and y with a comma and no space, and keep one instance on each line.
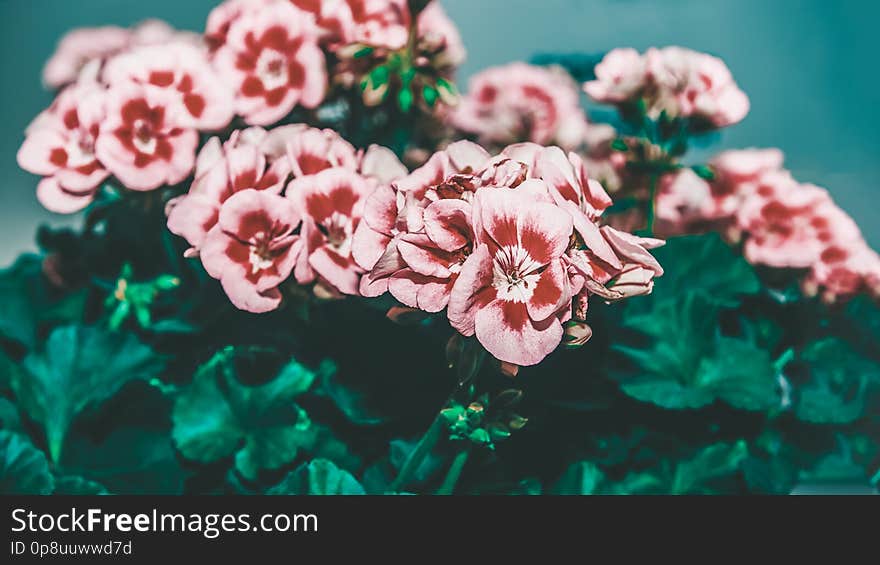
(652,198)
(417,455)
(455,469)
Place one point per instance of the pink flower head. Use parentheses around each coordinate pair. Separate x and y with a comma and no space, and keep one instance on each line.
(60,146)
(438,34)
(745,165)
(144,141)
(684,204)
(89,47)
(572,190)
(673,80)
(272,61)
(80,46)
(433,260)
(310,150)
(221,172)
(182,69)
(693,84)
(513,290)
(784,229)
(332,203)
(521,102)
(253,248)
(620,76)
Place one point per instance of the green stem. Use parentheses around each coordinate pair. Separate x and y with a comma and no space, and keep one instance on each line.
(652,198)
(455,469)
(417,456)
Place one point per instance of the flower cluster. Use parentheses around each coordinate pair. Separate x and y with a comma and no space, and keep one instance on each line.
(672,81)
(268,204)
(134,105)
(781,222)
(521,102)
(133,101)
(508,245)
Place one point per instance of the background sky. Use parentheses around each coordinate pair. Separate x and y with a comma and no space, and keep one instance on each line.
(809,67)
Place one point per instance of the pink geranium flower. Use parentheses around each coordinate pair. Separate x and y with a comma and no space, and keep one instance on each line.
(399,208)
(433,260)
(82,46)
(310,150)
(521,102)
(60,146)
(271,60)
(620,76)
(182,69)
(784,229)
(513,289)
(674,81)
(221,172)
(253,248)
(144,141)
(332,203)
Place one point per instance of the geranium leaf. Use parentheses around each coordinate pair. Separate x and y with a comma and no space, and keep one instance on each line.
(319,476)
(836,388)
(218,416)
(79,367)
(23,467)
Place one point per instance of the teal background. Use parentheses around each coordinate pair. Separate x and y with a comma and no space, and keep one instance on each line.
(809,67)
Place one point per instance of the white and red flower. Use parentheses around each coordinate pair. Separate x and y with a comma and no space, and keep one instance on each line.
(83,46)
(184,70)
(674,81)
(271,60)
(332,204)
(310,150)
(521,102)
(144,140)
(513,290)
(60,146)
(221,172)
(253,248)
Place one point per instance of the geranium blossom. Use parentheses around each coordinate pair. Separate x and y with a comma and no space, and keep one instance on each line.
(272,61)
(253,248)
(674,81)
(144,140)
(182,69)
(332,203)
(513,290)
(60,146)
(222,171)
(95,44)
(521,102)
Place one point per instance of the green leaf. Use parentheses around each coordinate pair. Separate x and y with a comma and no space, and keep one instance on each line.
(131,459)
(714,462)
(79,368)
(619,145)
(686,364)
(836,389)
(363,52)
(680,335)
(9,417)
(741,375)
(704,264)
(74,485)
(27,300)
(318,477)
(23,467)
(353,402)
(580,478)
(218,416)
